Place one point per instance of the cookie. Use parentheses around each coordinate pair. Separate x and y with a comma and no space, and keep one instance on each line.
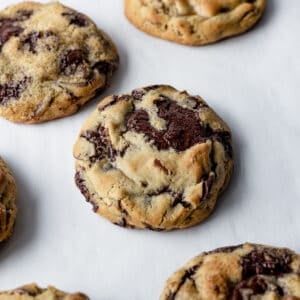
(52,60)
(32,291)
(8,209)
(194,22)
(157,158)
(244,272)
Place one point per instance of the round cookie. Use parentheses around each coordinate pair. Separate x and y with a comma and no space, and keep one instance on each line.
(194,22)
(52,60)
(157,158)
(32,291)
(244,272)
(8,209)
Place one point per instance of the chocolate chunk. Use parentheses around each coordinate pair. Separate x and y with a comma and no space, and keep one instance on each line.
(184,128)
(23,15)
(101,144)
(84,190)
(138,94)
(256,285)
(71,60)
(158,164)
(224,137)
(8,30)
(151,87)
(76,18)
(207,185)
(162,190)
(266,262)
(179,200)
(31,39)
(104,67)
(12,90)
(187,276)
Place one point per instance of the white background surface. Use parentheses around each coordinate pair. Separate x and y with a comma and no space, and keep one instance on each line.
(252,81)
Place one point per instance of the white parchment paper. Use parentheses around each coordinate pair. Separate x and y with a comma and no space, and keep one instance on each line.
(252,81)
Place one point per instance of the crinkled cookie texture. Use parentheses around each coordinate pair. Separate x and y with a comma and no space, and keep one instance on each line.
(52,60)
(157,158)
(32,291)
(194,22)
(8,209)
(244,272)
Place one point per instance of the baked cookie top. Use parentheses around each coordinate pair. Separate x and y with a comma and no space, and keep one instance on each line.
(8,209)
(52,60)
(32,291)
(244,272)
(194,22)
(157,158)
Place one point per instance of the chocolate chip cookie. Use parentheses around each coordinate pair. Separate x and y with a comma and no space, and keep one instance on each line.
(241,272)
(194,22)
(52,60)
(157,158)
(8,209)
(32,291)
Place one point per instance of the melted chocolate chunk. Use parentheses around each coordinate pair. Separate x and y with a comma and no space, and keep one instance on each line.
(71,60)
(158,164)
(31,39)
(162,190)
(207,185)
(178,197)
(8,30)
(138,94)
(224,137)
(12,90)
(183,126)
(266,262)
(187,276)
(23,15)
(151,87)
(102,146)
(103,67)
(84,190)
(179,200)
(76,18)
(256,285)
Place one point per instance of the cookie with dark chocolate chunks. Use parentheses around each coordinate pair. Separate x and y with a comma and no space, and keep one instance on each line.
(8,208)
(242,272)
(32,292)
(157,153)
(50,70)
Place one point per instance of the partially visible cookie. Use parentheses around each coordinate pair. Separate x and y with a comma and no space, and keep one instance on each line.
(244,272)
(53,59)
(8,209)
(155,158)
(194,22)
(32,291)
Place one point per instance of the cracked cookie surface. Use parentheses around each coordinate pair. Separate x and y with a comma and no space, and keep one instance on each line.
(32,291)
(157,158)
(52,60)
(194,22)
(8,209)
(244,272)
